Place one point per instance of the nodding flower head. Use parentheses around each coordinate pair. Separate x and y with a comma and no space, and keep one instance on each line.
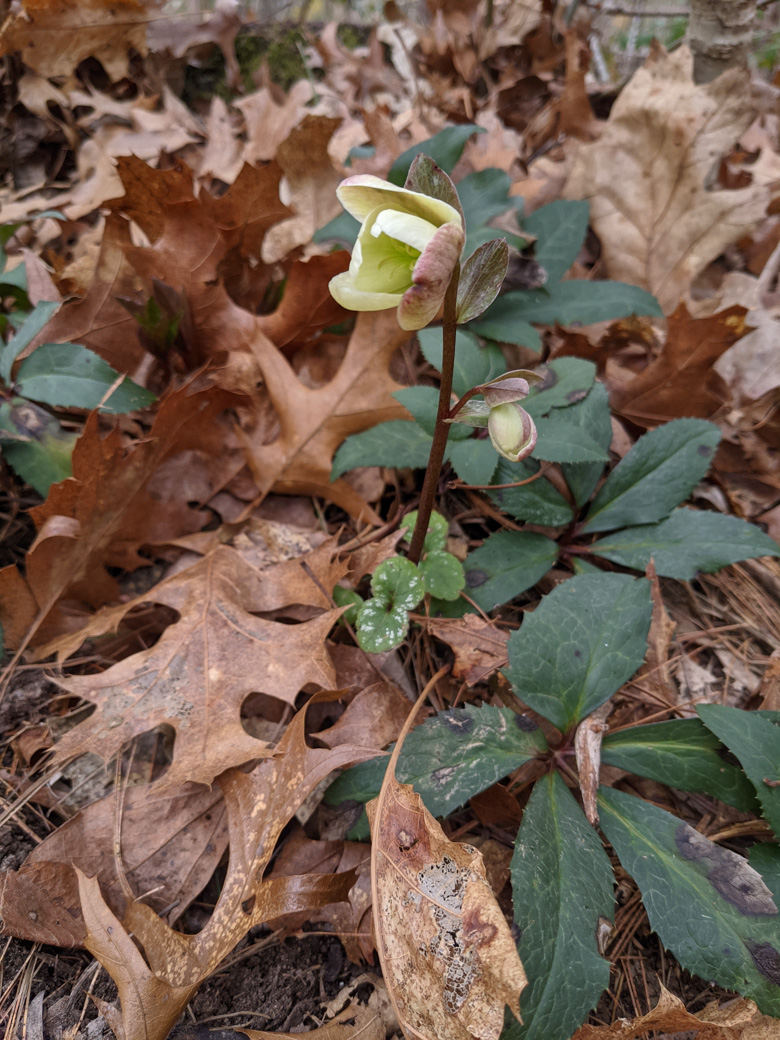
(405,253)
(512,431)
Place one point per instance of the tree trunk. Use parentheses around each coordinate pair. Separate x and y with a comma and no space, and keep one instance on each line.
(719,34)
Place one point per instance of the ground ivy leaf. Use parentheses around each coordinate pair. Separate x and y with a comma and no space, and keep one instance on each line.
(584,640)
(659,472)
(442,574)
(535,503)
(684,754)
(708,905)
(687,542)
(755,740)
(562,888)
(506,564)
(381,627)
(450,758)
(397,583)
(435,536)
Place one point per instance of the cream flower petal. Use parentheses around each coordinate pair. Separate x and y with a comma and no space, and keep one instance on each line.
(343,290)
(363,193)
(406,227)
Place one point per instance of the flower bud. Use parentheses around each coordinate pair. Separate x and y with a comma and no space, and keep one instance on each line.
(512,431)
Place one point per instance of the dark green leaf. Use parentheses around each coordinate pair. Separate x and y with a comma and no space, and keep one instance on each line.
(708,905)
(681,753)
(34,444)
(398,444)
(504,322)
(562,888)
(536,503)
(581,302)
(65,375)
(450,758)
(481,278)
(484,195)
(343,228)
(566,382)
(350,599)
(659,472)
(559,440)
(560,228)
(397,583)
(36,320)
(381,627)
(593,416)
(508,563)
(473,460)
(756,743)
(473,364)
(584,640)
(422,403)
(442,574)
(686,543)
(445,148)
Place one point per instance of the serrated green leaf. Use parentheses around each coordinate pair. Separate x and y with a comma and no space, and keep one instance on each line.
(473,460)
(36,320)
(435,536)
(559,440)
(450,758)
(560,228)
(708,906)
(381,626)
(442,574)
(66,375)
(473,364)
(484,195)
(562,889)
(506,564)
(397,583)
(593,416)
(581,302)
(686,543)
(505,322)
(756,743)
(681,753)
(481,278)
(535,503)
(396,444)
(34,444)
(584,640)
(659,472)
(565,382)
(445,148)
(422,403)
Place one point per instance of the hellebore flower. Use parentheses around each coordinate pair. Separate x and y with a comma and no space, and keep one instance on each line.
(511,428)
(405,253)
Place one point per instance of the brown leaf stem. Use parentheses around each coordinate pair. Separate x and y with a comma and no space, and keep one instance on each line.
(436,458)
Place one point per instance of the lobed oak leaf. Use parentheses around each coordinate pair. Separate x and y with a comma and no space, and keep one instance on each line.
(447,954)
(197,675)
(114,503)
(646,178)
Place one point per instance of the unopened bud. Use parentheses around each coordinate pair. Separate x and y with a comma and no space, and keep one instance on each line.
(512,431)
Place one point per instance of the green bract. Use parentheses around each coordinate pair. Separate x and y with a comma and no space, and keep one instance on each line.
(405,253)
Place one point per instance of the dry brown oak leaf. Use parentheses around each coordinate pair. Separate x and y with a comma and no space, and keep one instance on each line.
(646,178)
(448,958)
(199,672)
(260,804)
(170,846)
(115,502)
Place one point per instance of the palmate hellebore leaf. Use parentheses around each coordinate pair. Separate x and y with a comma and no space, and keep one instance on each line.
(562,889)
(585,639)
(66,375)
(709,906)
(506,564)
(473,364)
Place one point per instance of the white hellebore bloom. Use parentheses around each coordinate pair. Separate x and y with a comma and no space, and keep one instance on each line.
(405,254)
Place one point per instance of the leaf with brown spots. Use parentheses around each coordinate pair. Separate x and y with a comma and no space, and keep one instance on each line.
(197,675)
(447,954)
(259,806)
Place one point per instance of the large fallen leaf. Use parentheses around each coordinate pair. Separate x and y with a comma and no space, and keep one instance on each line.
(170,846)
(259,806)
(115,502)
(197,675)
(447,954)
(647,176)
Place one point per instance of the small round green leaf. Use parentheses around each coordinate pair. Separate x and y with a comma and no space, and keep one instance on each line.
(436,535)
(381,627)
(442,574)
(397,583)
(350,599)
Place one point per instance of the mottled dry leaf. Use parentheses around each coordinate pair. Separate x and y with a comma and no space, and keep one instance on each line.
(259,805)
(268,121)
(197,675)
(170,844)
(376,715)
(587,748)
(647,176)
(447,954)
(480,647)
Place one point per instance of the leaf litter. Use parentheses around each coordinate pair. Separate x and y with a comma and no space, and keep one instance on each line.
(201,280)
